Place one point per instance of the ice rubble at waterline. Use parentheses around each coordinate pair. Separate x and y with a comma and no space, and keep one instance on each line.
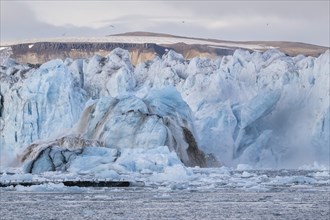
(267,110)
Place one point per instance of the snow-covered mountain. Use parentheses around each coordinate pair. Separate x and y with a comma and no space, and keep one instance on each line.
(265,109)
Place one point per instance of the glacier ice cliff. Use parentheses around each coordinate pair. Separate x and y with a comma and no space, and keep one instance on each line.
(123,123)
(267,109)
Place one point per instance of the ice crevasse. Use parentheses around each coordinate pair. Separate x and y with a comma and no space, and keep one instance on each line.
(262,109)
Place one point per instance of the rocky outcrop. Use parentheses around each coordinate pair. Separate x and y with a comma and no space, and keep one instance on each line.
(152,45)
(41,52)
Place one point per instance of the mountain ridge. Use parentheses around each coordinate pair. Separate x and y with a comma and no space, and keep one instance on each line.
(144,46)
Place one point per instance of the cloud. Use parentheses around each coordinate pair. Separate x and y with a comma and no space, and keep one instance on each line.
(90,13)
(305,21)
(284,9)
(18,22)
(302,21)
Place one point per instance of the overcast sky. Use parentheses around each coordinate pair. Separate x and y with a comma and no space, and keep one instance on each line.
(300,21)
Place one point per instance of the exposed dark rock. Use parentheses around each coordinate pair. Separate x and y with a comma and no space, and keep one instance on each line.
(42,52)
(79,183)
(196,156)
(1,105)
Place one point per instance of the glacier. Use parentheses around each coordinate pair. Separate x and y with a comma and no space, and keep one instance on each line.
(265,110)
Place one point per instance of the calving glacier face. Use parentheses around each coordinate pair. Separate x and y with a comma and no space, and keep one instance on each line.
(122,123)
(161,118)
(36,104)
(262,109)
